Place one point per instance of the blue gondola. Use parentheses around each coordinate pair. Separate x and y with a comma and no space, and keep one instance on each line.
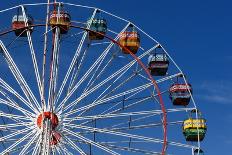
(98,25)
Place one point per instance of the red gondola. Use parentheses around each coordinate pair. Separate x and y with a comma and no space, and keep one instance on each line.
(179,93)
(20,26)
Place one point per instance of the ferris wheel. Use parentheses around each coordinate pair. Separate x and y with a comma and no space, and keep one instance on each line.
(77,79)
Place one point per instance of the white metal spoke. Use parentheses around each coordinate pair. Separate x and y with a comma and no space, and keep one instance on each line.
(18,76)
(54,69)
(14,105)
(78,149)
(134,150)
(120,72)
(122,134)
(34,60)
(43,104)
(14,117)
(142,87)
(74,60)
(101,57)
(151,112)
(28,144)
(15,125)
(37,145)
(77,71)
(92,142)
(17,143)
(119,109)
(7,87)
(14,134)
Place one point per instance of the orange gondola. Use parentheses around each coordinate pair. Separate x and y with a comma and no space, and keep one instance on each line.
(130,39)
(60,19)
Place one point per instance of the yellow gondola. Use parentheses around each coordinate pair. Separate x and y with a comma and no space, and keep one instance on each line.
(194,129)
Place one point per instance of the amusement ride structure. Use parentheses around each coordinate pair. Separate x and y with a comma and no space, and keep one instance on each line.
(76,79)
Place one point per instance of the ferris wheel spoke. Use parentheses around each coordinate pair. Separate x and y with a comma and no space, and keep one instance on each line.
(78,149)
(18,76)
(17,143)
(142,87)
(117,133)
(16,133)
(30,142)
(34,60)
(15,125)
(119,73)
(119,109)
(7,87)
(17,118)
(107,95)
(77,71)
(139,113)
(92,142)
(10,102)
(64,148)
(122,134)
(54,68)
(143,126)
(74,60)
(127,66)
(37,145)
(165,78)
(58,150)
(89,71)
(134,150)
(93,78)
(130,121)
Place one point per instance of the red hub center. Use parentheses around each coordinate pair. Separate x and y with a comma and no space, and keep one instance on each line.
(48,115)
(54,121)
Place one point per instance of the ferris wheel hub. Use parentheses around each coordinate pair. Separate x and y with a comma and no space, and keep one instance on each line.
(54,121)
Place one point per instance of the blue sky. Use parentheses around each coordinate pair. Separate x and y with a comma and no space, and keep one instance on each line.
(197,34)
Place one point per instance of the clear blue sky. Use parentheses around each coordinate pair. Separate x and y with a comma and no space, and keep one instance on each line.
(198,36)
